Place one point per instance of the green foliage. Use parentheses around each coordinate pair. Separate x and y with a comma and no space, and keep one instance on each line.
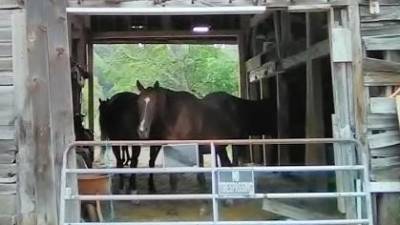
(199,69)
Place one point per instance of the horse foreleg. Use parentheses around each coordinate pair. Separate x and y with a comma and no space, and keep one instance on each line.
(154,150)
(127,156)
(200,176)
(134,164)
(223,155)
(120,164)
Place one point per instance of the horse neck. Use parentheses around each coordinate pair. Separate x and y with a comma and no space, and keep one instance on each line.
(171,111)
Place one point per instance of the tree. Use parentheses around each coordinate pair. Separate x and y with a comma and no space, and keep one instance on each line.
(199,69)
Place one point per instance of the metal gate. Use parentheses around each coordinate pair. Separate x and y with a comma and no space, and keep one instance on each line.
(361,195)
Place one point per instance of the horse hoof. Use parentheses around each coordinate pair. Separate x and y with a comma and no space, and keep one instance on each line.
(228,202)
(136,202)
(203,210)
(172,212)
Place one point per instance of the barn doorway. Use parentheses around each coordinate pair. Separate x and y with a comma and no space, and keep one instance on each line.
(282,55)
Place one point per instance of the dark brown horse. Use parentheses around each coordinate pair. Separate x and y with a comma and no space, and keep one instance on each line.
(253,117)
(178,115)
(119,120)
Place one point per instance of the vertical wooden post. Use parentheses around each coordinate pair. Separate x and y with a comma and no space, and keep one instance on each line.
(281,85)
(60,95)
(341,64)
(33,124)
(314,154)
(242,63)
(43,107)
(90,86)
(24,123)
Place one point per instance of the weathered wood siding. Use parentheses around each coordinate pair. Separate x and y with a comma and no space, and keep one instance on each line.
(381,40)
(7,132)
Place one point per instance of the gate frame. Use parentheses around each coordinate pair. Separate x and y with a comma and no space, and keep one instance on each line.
(70,194)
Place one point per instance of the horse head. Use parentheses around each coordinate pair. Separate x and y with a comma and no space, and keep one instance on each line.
(151,102)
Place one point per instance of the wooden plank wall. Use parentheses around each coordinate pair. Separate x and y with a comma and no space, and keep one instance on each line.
(7,135)
(380,30)
(381,38)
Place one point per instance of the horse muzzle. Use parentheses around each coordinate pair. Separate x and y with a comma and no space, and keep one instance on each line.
(143,133)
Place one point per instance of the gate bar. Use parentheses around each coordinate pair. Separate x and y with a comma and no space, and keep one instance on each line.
(210,196)
(287,222)
(205,169)
(292,141)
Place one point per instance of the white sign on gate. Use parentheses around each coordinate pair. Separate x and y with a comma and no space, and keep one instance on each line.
(236,183)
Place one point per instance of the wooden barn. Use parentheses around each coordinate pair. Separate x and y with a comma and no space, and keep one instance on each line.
(332,65)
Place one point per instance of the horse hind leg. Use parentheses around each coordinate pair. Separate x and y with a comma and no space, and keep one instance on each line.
(120,164)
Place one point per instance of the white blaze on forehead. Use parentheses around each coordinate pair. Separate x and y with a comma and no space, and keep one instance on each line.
(141,127)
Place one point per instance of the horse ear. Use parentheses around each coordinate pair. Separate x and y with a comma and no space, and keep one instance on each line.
(139,86)
(156,84)
(101,101)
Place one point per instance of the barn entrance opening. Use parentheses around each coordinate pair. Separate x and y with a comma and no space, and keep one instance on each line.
(282,55)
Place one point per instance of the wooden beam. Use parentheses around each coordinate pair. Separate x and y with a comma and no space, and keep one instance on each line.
(385,151)
(387,13)
(379,65)
(382,42)
(294,210)
(5,49)
(308,5)
(9,4)
(381,79)
(8,202)
(382,122)
(385,139)
(5,34)
(161,36)
(318,50)
(241,6)
(7,220)
(383,105)
(385,187)
(380,27)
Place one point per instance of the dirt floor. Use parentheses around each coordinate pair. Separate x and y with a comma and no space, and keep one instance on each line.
(125,211)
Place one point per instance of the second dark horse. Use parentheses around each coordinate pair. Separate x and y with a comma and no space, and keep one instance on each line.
(117,122)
